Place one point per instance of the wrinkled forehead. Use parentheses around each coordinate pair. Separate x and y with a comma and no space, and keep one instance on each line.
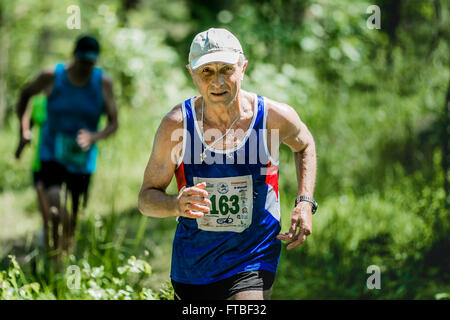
(217,65)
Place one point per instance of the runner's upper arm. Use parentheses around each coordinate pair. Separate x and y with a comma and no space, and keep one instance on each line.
(166,151)
(293,132)
(109,100)
(42,82)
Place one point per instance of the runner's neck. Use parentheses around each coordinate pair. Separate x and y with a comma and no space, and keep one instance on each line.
(222,116)
(76,76)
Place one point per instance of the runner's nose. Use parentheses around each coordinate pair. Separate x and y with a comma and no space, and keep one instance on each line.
(218,80)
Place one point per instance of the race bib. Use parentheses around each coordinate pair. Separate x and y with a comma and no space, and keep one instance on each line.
(231,203)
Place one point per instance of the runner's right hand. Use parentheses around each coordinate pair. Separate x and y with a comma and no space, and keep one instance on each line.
(25,138)
(193,202)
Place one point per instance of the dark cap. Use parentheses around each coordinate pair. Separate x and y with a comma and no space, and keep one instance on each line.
(87,48)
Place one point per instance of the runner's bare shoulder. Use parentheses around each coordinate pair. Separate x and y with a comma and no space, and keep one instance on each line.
(107,81)
(169,136)
(47,75)
(280,115)
(173,119)
(43,82)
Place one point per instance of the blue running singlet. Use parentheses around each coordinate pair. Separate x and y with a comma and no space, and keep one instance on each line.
(239,233)
(69,109)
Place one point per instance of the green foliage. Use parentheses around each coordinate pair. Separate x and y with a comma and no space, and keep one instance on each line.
(400,230)
(101,267)
(14,285)
(86,282)
(373,100)
(96,283)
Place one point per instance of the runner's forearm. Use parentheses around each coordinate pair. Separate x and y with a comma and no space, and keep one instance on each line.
(156,203)
(109,130)
(21,109)
(305,164)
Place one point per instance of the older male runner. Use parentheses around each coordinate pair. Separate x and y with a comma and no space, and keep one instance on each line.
(227,243)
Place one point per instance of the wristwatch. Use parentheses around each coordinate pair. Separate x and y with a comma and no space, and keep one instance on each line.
(308,199)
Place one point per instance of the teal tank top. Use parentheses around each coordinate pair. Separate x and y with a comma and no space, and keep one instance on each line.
(69,109)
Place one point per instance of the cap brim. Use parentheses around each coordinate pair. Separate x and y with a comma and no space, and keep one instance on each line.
(87,55)
(219,56)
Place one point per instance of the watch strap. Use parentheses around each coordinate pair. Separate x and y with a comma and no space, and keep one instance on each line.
(307,199)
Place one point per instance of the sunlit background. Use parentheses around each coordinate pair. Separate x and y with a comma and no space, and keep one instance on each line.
(375,100)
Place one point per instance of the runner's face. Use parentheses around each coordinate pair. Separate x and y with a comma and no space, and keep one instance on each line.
(85,65)
(218,82)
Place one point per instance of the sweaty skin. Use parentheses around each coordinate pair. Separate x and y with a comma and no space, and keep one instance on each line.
(153,200)
(220,90)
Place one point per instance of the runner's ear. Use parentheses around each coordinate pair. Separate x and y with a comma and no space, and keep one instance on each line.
(244,66)
(243,70)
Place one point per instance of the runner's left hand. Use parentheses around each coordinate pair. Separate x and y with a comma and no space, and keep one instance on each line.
(85,139)
(301,218)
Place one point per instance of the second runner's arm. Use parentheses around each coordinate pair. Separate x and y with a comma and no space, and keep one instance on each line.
(41,83)
(85,138)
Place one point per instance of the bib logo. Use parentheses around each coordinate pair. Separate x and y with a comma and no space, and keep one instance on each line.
(227,220)
(222,188)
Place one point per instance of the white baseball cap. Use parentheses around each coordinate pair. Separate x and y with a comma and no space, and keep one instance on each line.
(214,45)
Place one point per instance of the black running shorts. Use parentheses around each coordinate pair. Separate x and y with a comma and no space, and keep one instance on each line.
(260,280)
(55,174)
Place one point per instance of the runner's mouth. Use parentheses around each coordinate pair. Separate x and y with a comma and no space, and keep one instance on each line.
(218,94)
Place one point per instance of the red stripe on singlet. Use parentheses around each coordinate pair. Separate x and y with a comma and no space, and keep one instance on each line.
(272,176)
(179,175)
